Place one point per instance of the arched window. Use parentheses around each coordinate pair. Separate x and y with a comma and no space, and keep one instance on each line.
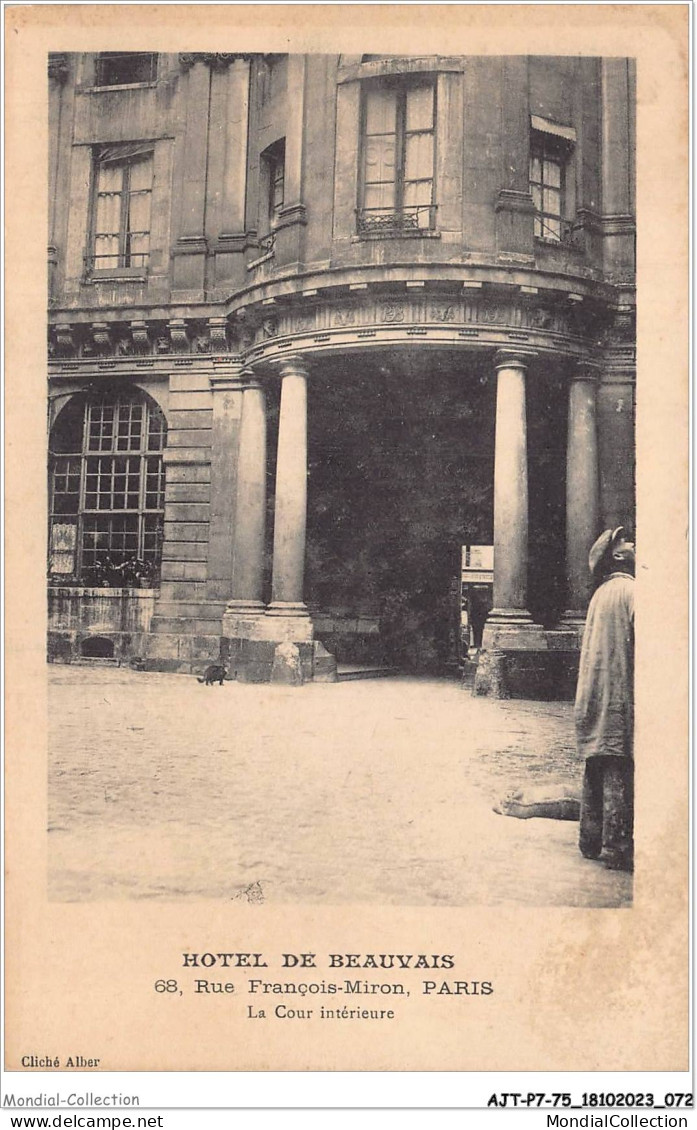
(107,490)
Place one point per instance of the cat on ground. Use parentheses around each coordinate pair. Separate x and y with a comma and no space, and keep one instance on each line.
(214,673)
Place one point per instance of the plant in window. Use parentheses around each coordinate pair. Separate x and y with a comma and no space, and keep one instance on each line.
(107,491)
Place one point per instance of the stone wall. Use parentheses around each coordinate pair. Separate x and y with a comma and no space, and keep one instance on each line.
(77,616)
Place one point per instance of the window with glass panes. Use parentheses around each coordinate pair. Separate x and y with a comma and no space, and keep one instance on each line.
(123,190)
(123,68)
(398,139)
(275,161)
(547,187)
(107,489)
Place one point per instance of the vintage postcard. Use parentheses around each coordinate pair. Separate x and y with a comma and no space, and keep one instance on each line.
(353,342)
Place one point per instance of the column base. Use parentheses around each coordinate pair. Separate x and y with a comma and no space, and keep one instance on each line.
(513,629)
(288,608)
(511,616)
(573,620)
(242,618)
(279,623)
(276,658)
(245,607)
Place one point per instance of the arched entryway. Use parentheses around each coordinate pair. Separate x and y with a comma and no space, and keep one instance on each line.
(400,464)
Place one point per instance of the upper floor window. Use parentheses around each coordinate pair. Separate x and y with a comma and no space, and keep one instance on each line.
(551,180)
(123,68)
(121,211)
(273,162)
(397,186)
(107,490)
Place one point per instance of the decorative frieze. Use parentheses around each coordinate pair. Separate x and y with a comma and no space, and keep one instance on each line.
(275,323)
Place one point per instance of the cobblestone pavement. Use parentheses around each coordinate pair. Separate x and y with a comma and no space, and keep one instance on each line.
(374,791)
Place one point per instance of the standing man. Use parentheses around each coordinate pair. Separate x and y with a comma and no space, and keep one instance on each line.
(604,710)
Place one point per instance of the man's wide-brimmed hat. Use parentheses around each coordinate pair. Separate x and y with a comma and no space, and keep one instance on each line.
(602,547)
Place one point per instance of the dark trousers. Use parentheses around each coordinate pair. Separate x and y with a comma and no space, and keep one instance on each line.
(607,811)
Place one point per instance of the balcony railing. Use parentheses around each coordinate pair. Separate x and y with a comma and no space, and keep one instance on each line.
(135,264)
(409,220)
(564,232)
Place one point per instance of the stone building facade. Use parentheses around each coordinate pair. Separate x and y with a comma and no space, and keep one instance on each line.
(315,323)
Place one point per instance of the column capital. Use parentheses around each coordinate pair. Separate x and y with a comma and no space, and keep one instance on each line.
(250,379)
(295,365)
(228,377)
(513,358)
(586,370)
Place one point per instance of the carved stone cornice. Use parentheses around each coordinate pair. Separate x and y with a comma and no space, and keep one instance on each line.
(218,334)
(178,335)
(266,330)
(140,337)
(101,338)
(64,341)
(216,60)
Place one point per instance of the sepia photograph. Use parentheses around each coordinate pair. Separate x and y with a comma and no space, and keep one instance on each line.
(347,411)
(341,379)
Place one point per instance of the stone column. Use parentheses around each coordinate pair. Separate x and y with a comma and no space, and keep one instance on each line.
(292,216)
(59,120)
(232,239)
(617,89)
(190,246)
(510,492)
(582,488)
(514,207)
(295,131)
(250,511)
(291,494)
(224,438)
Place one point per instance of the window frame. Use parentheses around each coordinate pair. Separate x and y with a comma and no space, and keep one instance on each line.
(273,160)
(105,463)
(401,83)
(553,148)
(102,57)
(127,162)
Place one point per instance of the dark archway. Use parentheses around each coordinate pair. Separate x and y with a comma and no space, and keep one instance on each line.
(401,476)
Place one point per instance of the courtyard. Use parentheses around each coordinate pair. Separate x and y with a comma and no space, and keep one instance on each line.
(376,791)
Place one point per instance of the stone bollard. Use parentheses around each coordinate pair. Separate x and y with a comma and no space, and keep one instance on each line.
(286,668)
(490,679)
(323,664)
